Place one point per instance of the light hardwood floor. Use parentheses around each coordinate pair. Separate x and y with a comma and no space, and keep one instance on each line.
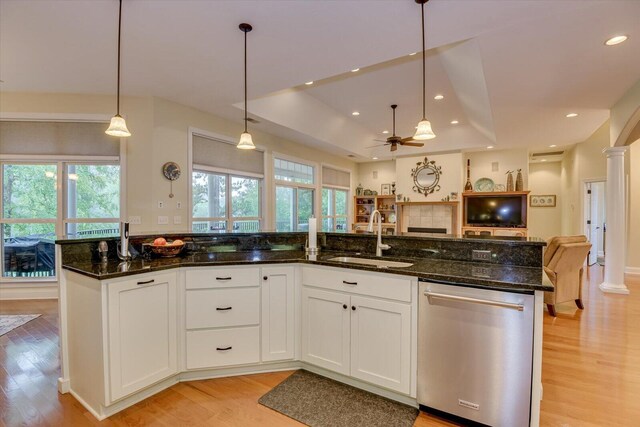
(590,375)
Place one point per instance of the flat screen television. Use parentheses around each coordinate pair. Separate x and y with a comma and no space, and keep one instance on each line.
(495,211)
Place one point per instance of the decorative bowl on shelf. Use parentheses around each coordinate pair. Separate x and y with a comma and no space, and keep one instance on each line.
(167,251)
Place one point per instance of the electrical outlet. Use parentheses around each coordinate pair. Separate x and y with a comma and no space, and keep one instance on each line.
(481,255)
(178,205)
(162,219)
(160,204)
(177,219)
(135,220)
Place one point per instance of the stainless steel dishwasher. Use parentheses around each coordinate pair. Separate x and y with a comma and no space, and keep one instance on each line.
(475,353)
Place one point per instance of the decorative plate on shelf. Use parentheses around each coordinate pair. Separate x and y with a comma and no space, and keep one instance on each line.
(392,218)
(483,185)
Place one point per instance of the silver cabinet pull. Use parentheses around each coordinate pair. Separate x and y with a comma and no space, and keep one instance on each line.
(519,307)
(146,282)
(223,308)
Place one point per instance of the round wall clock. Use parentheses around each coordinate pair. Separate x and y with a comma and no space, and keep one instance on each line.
(171,171)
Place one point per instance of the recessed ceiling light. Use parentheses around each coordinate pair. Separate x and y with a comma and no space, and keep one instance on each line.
(570,115)
(454,122)
(438,97)
(543,160)
(552,146)
(411,54)
(309,83)
(355,113)
(489,147)
(355,70)
(374,158)
(616,40)
(385,131)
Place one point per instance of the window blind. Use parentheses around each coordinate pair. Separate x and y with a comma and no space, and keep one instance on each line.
(57,138)
(335,177)
(224,155)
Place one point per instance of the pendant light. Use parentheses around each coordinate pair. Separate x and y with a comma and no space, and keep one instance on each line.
(118,127)
(246,142)
(423,130)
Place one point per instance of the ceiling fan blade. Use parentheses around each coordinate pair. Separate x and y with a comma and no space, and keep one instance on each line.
(394,147)
(378,145)
(413,144)
(408,139)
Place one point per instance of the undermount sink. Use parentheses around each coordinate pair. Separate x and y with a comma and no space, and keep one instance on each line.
(380,263)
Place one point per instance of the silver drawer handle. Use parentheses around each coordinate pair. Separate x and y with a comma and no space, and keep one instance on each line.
(519,307)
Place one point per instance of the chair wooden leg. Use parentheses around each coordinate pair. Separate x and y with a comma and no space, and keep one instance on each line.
(552,309)
(579,304)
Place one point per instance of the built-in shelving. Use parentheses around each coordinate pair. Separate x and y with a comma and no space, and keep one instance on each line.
(364,205)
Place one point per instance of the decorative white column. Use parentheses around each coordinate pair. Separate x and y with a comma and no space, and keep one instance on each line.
(616,237)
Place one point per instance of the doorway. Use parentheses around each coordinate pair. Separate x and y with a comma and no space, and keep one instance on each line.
(595,222)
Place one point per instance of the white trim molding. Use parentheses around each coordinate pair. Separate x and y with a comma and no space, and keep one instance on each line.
(29,291)
(632,271)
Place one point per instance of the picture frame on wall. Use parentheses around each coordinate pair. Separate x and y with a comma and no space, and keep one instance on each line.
(543,201)
(385,189)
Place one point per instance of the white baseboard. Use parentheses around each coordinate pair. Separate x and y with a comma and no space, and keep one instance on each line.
(632,271)
(29,291)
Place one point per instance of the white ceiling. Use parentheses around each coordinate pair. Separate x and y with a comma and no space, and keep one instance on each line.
(509,70)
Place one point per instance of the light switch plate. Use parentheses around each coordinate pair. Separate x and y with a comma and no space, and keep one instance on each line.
(135,220)
(481,255)
(178,205)
(163,219)
(177,219)
(160,204)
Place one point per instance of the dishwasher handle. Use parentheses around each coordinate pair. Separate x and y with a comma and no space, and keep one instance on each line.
(519,307)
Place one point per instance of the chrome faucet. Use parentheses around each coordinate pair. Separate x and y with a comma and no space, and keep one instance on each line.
(379,246)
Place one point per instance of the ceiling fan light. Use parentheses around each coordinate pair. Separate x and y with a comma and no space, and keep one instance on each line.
(246,142)
(424,131)
(118,127)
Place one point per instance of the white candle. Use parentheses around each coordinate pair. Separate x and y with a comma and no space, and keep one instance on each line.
(313,233)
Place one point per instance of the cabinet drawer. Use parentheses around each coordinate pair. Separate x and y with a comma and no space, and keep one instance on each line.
(222,277)
(370,284)
(214,308)
(223,347)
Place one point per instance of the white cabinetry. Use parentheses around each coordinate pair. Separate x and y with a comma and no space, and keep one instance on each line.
(278,311)
(142,333)
(366,338)
(325,329)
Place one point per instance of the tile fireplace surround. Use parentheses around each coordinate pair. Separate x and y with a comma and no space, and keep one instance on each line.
(427,216)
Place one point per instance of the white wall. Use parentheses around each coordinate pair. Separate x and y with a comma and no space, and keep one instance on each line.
(508,160)
(373,174)
(633,240)
(544,178)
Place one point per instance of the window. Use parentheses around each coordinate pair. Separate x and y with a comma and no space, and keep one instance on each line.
(31,218)
(223,202)
(226,186)
(295,194)
(334,209)
(335,199)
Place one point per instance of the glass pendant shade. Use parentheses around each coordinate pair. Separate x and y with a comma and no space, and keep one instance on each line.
(246,142)
(424,131)
(118,127)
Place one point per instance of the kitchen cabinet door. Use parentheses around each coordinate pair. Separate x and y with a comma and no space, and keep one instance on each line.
(142,321)
(325,329)
(278,329)
(381,342)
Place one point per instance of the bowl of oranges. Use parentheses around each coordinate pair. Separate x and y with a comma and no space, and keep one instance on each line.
(165,249)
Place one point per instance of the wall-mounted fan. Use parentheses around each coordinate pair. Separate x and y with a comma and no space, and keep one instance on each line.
(395,140)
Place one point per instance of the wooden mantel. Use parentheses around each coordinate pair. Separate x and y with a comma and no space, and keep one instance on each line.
(454,211)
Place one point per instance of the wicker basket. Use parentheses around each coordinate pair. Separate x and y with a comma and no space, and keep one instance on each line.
(166,251)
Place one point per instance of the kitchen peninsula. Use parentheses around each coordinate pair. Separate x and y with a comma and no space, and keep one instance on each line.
(244,303)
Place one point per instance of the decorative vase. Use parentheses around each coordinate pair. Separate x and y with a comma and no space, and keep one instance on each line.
(519,181)
(359,190)
(468,186)
(393,188)
(509,180)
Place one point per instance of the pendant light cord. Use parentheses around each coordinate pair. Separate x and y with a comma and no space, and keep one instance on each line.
(119,30)
(424,78)
(245,82)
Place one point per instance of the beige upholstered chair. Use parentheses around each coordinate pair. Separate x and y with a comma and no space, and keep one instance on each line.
(564,259)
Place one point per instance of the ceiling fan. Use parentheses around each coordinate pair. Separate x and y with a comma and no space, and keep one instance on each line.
(395,140)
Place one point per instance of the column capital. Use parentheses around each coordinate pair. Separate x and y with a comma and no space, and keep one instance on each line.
(615,151)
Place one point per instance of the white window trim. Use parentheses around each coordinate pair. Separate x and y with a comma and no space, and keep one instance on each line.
(335,217)
(316,186)
(350,218)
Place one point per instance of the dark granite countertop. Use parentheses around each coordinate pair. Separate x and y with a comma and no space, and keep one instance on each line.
(484,275)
